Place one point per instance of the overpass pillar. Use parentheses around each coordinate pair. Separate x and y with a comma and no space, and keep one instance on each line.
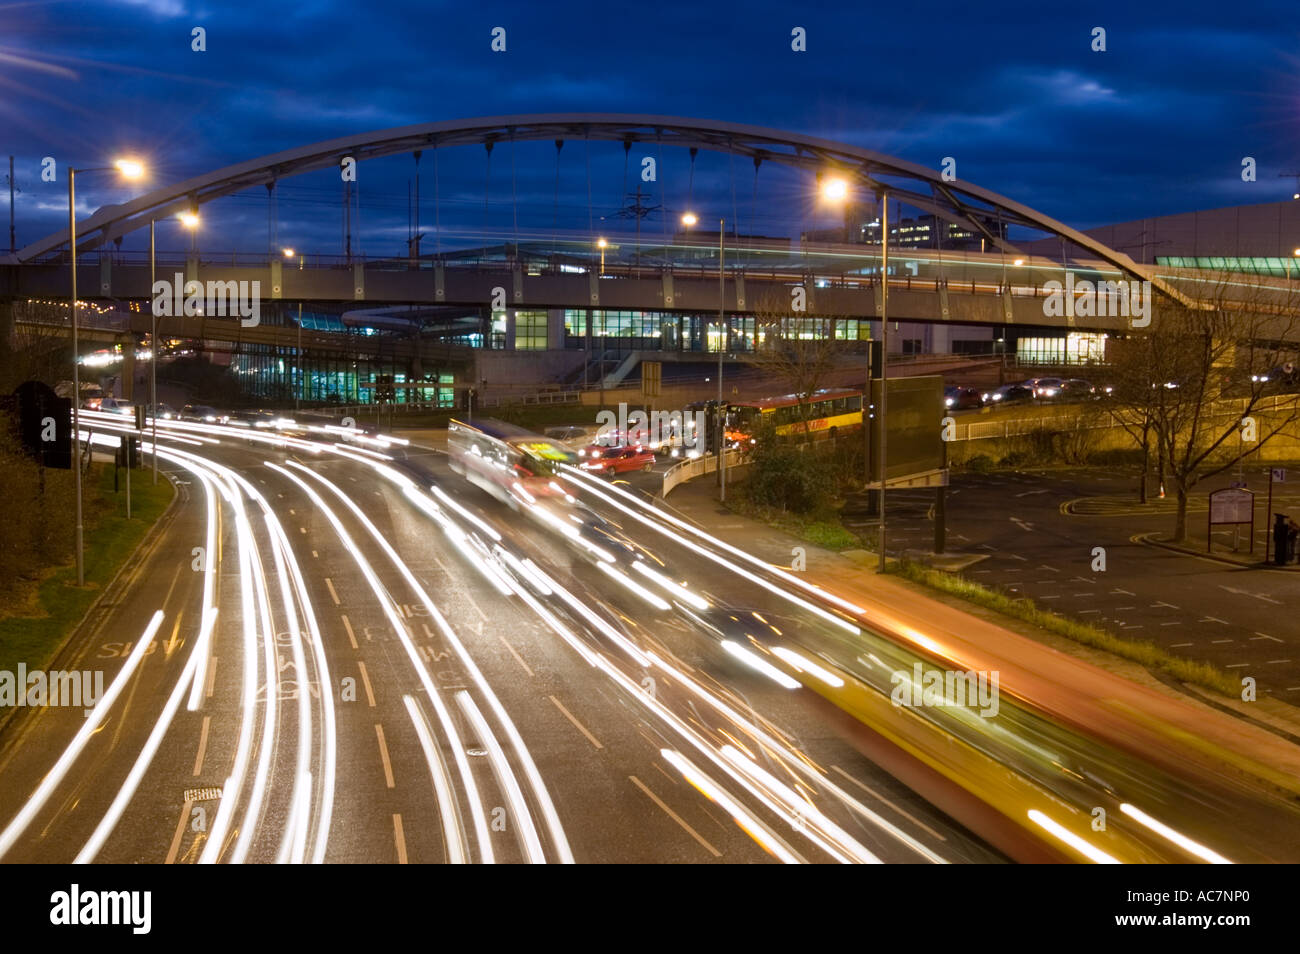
(940,339)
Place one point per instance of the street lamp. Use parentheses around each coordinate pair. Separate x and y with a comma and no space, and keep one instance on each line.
(190,221)
(297,392)
(130,169)
(689,219)
(602,244)
(836,189)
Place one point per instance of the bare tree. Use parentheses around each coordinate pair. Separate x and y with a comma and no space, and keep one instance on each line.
(1202,382)
(798,350)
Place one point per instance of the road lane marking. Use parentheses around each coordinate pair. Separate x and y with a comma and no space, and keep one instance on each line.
(1178,645)
(874,794)
(302,529)
(1220,641)
(180,830)
(291,510)
(400,838)
(370,696)
(333,595)
(1238,665)
(1159,603)
(1274,662)
(674,816)
(315,554)
(518,658)
(1259,635)
(203,745)
(212,676)
(348,626)
(383,753)
(576,724)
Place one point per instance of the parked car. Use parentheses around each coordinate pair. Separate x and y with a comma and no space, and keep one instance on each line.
(958,398)
(1077,389)
(616,460)
(1009,394)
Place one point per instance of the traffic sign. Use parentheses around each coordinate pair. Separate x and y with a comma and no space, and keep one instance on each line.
(1278,475)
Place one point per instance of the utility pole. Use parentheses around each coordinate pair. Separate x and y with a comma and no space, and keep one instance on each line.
(12,246)
(722,347)
(884,358)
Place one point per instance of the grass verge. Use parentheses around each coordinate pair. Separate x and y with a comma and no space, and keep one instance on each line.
(823,530)
(1144,653)
(110,539)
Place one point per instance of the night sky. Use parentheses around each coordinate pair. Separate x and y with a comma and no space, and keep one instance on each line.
(1157,124)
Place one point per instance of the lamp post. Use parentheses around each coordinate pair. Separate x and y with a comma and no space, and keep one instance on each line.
(130,169)
(297,391)
(190,221)
(602,244)
(722,347)
(836,189)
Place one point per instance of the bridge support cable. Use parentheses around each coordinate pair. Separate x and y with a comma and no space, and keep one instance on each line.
(487,183)
(555,200)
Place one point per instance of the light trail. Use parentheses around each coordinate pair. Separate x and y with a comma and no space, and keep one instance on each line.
(538,787)
(447,809)
(36,801)
(389,608)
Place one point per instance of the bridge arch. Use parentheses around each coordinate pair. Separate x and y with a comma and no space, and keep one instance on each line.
(958,202)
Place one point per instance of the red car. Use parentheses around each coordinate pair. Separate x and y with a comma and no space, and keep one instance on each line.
(616,460)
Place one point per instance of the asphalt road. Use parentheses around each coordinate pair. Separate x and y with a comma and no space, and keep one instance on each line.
(408,708)
(1237,618)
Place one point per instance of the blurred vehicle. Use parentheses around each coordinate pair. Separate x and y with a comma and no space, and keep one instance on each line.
(514,465)
(822,414)
(1284,377)
(616,460)
(958,398)
(570,434)
(1077,389)
(164,412)
(111,405)
(1009,394)
(203,413)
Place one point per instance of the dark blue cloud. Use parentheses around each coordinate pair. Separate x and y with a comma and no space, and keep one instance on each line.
(1158,123)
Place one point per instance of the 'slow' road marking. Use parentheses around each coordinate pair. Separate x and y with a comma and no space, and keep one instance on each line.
(674,816)
(383,754)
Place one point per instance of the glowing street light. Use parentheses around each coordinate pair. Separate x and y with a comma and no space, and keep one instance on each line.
(602,245)
(130,168)
(835,189)
(189,219)
(689,219)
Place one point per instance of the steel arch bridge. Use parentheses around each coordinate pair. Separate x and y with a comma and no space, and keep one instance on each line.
(957,202)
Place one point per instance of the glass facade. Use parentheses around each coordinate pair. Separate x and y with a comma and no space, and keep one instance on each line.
(1256,265)
(530,331)
(621,331)
(263,372)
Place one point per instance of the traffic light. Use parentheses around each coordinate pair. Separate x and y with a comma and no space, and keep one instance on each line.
(384,391)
